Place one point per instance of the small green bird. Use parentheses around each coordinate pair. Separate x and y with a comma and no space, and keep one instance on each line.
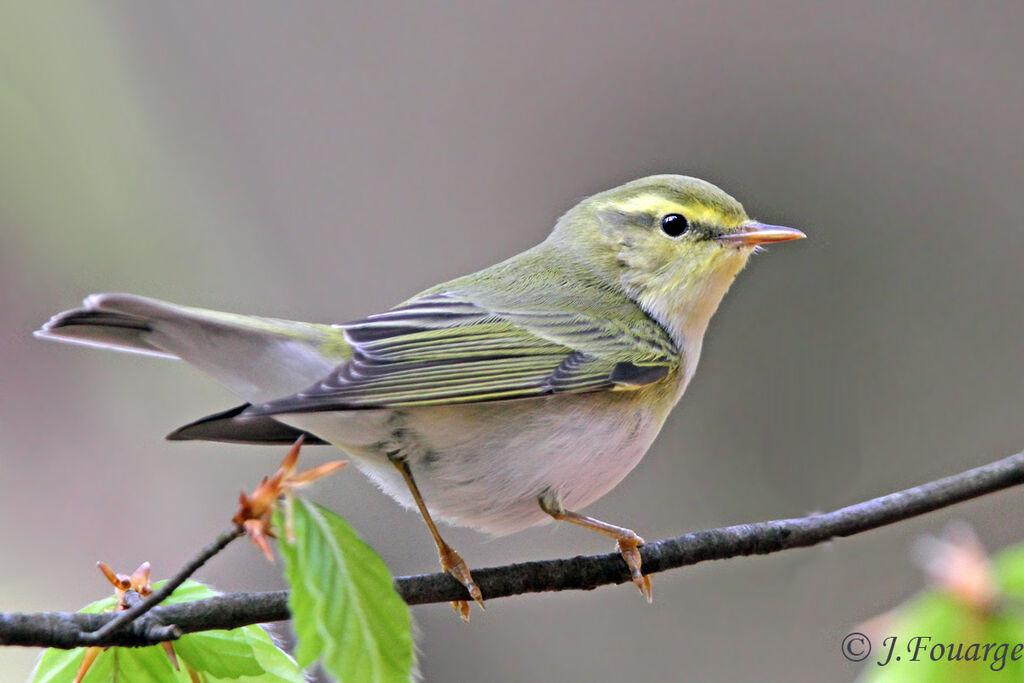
(499,400)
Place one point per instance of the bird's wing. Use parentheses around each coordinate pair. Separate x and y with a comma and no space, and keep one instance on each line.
(442,348)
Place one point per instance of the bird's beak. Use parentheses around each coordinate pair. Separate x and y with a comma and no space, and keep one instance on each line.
(753,233)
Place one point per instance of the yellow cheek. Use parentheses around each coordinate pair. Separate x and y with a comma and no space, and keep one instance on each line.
(650,254)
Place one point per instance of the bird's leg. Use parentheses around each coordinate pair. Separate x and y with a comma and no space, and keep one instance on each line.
(451,562)
(626,540)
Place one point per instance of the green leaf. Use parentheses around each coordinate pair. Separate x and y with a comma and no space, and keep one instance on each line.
(1009,567)
(946,631)
(142,665)
(345,608)
(58,666)
(225,654)
(246,654)
(277,666)
(189,591)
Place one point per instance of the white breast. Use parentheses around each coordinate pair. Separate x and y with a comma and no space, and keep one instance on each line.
(483,465)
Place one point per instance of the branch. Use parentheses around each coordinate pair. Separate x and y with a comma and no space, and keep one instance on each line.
(232,610)
(123,619)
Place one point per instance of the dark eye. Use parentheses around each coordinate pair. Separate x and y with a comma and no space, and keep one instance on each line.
(674,224)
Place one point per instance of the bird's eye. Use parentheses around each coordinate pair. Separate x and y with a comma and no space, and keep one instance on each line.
(674,224)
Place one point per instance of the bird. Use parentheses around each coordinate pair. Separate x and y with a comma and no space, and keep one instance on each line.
(499,400)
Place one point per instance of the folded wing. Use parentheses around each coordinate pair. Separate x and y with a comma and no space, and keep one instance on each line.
(442,348)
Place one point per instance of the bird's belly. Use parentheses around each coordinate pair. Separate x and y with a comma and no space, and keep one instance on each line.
(483,465)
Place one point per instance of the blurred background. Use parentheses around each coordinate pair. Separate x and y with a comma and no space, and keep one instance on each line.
(322,162)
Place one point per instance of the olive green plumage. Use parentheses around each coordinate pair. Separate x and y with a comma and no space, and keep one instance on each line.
(548,374)
(556,318)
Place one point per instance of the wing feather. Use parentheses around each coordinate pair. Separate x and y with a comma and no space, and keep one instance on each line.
(441,348)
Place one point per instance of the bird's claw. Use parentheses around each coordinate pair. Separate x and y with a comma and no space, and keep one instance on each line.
(461,607)
(629,549)
(453,563)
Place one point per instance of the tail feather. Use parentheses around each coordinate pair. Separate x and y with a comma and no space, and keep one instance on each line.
(104,329)
(257,358)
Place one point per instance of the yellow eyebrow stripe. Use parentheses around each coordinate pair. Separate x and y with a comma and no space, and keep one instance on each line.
(658,205)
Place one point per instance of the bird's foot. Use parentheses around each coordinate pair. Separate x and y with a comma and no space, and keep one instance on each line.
(453,563)
(628,546)
(626,540)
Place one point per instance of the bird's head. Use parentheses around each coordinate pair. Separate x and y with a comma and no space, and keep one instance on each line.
(673,243)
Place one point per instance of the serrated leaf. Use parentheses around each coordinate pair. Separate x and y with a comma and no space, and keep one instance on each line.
(246,654)
(345,609)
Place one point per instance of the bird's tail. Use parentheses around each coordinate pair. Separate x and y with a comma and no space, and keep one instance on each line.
(257,358)
(111,321)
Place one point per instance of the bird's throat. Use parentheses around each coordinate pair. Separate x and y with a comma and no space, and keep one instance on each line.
(683,299)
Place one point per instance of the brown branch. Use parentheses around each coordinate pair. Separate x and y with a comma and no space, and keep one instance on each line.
(123,619)
(65,630)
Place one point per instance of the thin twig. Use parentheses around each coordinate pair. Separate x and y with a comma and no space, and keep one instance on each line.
(232,610)
(131,614)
